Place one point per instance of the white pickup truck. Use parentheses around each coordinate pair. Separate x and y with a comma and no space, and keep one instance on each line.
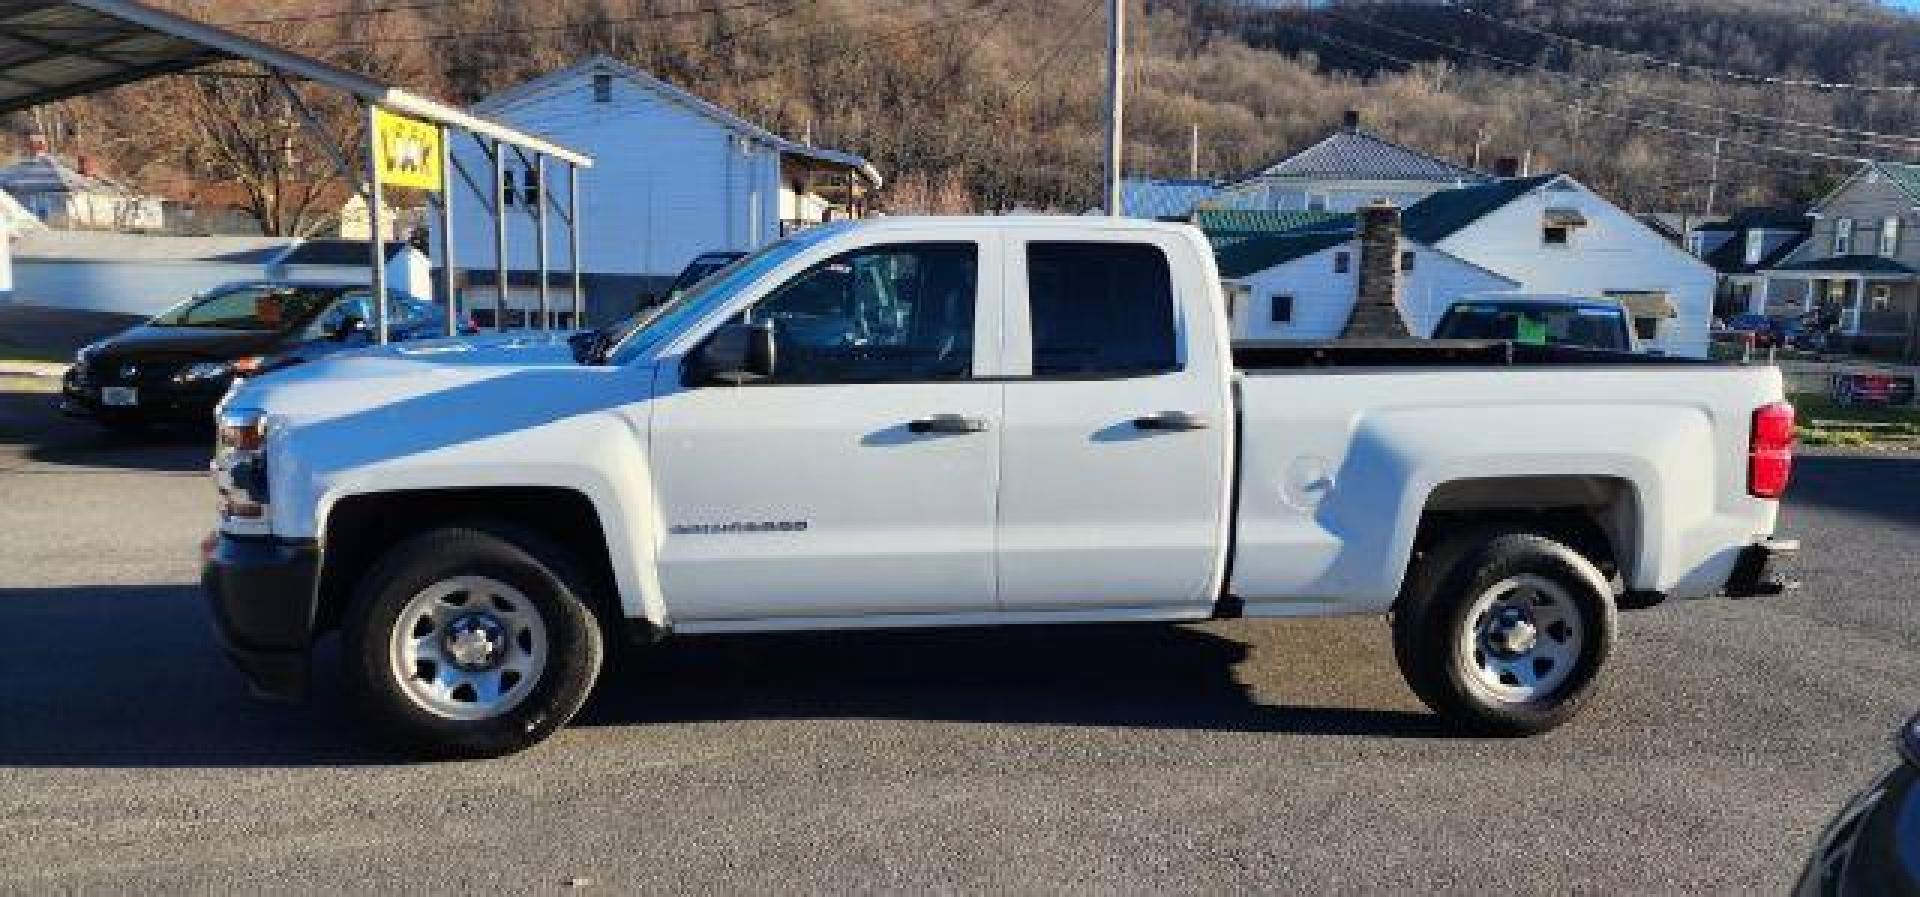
(969,422)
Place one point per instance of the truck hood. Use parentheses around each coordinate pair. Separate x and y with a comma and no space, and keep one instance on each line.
(423,384)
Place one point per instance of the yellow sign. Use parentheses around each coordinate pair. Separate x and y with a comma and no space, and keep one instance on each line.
(407,152)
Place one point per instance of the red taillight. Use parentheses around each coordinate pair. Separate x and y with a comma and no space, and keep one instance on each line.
(1770,450)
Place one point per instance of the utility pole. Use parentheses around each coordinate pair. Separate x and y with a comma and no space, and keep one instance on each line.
(1713,178)
(1193,154)
(1116,87)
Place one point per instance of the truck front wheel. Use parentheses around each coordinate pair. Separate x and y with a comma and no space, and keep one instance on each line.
(1504,632)
(463,642)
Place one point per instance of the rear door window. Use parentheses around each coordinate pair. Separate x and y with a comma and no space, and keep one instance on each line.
(1101,309)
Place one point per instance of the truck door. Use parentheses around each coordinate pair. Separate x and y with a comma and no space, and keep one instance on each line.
(860,479)
(1114,483)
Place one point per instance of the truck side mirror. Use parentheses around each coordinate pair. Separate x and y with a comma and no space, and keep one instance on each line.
(733,355)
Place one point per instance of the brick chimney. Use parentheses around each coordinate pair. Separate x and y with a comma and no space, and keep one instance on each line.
(87,166)
(1376,306)
(37,144)
(1506,167)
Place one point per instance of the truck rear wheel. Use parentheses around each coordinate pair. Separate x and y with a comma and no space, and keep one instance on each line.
(1504,632)
(469,643)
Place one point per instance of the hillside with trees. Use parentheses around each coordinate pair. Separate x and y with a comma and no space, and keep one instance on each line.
(996,104)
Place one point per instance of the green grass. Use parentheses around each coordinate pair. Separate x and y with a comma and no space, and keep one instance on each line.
(1892,426)
(1810,407)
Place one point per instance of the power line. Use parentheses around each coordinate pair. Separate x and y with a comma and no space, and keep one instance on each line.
(1913,143)
(342,13)
(1336,41)
(1650,59)
(544,29)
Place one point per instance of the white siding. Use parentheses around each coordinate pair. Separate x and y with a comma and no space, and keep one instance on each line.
(1614,251)
(137,287)
(668,183)
(1323,300)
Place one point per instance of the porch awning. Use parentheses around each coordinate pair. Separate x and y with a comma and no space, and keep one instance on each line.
(1647,305)
(1565,217)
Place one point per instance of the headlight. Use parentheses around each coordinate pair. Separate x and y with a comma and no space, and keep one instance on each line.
(214,370)
(240,464)
(206,370)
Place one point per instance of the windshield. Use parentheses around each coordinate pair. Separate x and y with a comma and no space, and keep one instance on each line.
(1536,323)
(267,307)
(641,332)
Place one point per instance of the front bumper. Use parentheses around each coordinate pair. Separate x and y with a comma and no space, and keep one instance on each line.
(162,401)
(1757,573)
(263,593)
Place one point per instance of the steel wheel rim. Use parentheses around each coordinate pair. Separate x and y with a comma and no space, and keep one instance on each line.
(1521,639)
(468,648)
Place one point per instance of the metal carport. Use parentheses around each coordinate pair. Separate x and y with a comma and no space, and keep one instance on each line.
(58,49)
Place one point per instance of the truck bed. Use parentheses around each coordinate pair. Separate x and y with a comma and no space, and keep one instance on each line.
(1256,356)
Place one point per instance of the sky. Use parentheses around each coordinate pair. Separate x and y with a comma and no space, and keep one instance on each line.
(1908,5)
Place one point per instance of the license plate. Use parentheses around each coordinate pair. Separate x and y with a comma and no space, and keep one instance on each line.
(119,396)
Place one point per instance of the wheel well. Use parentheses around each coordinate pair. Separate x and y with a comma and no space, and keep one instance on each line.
(1595,516)
(361,528)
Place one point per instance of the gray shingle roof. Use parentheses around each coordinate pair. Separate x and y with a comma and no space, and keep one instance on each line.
(1358,155)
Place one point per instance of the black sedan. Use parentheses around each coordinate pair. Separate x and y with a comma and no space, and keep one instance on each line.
(1873,846)
(176,366)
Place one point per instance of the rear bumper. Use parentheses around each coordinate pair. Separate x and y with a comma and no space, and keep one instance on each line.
(263,593)
(1757,571)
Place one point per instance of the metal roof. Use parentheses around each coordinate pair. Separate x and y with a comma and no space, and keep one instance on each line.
(1164,198)
(57,50)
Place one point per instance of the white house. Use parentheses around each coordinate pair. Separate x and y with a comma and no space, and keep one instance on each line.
(674,176)
(1550,234)
(80,199)
(1344,171)
(1303,285)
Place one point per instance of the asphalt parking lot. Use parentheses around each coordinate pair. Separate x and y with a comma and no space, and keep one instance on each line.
(1282,756)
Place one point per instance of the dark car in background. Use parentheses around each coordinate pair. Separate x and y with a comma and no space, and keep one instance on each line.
(703,266)
(1565,321)
(176,366)
(1873,846)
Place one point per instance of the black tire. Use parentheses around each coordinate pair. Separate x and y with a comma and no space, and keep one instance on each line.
(540,572)
(1431,620)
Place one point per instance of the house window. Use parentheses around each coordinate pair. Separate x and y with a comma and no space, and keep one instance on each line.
(1647,329)
(1890,237)
(1316,202)
(1342,262)
(508,186)
(1882,295)
(531,190)
(603,88)
(1756,243)
(1843,236)
(1555,234)
(1281,311)
(1406,261)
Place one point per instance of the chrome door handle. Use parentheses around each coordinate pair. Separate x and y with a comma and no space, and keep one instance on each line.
(948,423)
(1171,422)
